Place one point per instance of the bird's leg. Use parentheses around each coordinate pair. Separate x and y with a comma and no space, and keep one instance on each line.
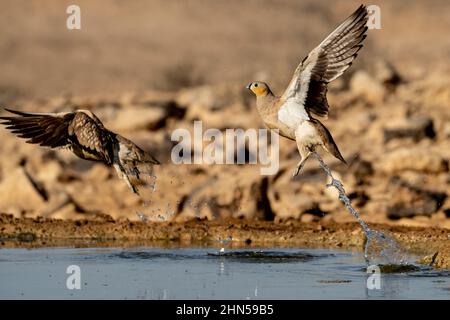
(298,168)
(136,172)
(300,165)
(122,175)
(132,187)
(305,152)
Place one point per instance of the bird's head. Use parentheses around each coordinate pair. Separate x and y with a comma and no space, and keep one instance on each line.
(260,89)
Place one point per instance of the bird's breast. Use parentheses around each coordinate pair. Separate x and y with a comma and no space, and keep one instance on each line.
(307,133)
(292,114)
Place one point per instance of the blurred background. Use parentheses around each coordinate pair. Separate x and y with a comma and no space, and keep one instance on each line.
(147,43)
(149,67)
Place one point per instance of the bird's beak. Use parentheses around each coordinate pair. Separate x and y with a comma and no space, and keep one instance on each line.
(248,86)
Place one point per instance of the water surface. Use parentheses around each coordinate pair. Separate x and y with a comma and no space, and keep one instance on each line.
(203,273)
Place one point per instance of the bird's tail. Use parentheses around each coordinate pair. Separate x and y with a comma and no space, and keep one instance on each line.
(148,158)
(133,153)
(329,143)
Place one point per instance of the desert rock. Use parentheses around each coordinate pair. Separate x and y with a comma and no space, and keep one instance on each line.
(364,85)
(416,128)
(415,159)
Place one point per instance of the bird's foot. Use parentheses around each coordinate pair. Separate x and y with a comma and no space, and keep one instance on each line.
(134,189)
(298,169)
(132,186)
(296,172)
(136,172)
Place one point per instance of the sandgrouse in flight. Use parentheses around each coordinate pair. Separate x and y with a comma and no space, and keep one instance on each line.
(305,96)
(82,133)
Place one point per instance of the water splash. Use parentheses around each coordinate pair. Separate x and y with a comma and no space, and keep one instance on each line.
(224,242)
(170,212)
(379,248)
(150,180)
(142,216)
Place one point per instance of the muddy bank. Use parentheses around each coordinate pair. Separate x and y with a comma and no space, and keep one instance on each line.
(433,244)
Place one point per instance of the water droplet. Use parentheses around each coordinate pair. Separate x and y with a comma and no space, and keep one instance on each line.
(379,247)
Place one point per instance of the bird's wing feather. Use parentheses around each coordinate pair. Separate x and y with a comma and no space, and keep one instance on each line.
(75,129)
(49,130)
(325,63)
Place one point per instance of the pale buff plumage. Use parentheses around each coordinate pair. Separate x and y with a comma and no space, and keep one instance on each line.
(305,95)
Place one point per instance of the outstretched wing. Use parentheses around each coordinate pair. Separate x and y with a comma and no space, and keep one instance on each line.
(85,135)
(45,129)
(308,87)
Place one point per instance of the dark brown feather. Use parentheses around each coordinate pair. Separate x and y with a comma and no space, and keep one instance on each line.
(42,129)
(335,56)
(84,134)
(328,140)
(92,137)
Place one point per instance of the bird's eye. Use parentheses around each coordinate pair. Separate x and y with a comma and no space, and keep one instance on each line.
(256,85)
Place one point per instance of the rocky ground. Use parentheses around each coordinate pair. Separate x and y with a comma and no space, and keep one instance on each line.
(393,131)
